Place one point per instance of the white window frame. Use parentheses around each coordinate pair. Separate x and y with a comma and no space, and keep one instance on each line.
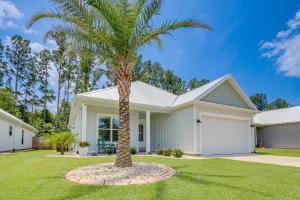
(112,116)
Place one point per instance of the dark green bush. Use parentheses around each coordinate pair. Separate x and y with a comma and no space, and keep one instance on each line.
(177,153)
(133,150)
(109,151)
(167,152)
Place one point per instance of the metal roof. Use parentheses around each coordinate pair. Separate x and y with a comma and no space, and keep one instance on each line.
(280,116)
(143,93)
(10,117)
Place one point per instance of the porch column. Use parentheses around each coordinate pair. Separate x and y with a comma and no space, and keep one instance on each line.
(83,122)
(148,147)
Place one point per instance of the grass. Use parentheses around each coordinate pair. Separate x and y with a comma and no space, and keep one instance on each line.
(33,175)
(279,152)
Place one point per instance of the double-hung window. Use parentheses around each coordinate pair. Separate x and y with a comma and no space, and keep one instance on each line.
(10,131)
(108,128)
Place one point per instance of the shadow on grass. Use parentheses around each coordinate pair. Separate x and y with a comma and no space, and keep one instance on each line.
(192,178)
(76,191)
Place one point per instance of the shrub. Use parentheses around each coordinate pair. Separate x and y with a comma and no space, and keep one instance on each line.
(133,150)
(177,153)
(84,144)
(109,151)
(62,139)
(167,152)
(94,154)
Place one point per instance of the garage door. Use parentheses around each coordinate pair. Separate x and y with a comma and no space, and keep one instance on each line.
(224,136)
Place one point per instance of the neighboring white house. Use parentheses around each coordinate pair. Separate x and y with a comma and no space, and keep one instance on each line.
(216,118)
(14,133)
(279,128)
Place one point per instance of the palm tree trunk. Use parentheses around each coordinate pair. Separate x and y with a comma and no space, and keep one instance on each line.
(123,77)
(62,149)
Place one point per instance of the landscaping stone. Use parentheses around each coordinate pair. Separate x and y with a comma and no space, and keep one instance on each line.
(108,174)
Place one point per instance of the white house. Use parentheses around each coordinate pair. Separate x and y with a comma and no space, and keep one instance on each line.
(14,133)
(279,128)
(216,118)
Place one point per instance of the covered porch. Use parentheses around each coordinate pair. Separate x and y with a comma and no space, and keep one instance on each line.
(99,125)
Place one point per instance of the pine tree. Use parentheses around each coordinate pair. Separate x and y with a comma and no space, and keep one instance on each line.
(18,54)
(45,58)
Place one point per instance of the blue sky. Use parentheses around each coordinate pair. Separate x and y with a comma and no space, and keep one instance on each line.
(258,42)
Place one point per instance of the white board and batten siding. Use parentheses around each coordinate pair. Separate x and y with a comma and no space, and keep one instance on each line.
(14,141)
(173,130)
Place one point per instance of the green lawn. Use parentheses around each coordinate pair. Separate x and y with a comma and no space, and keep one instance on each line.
(33,175)
(279,152)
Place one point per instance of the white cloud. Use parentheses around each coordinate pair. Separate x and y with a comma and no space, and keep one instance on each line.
(8,12)
(29,31)
(285,48)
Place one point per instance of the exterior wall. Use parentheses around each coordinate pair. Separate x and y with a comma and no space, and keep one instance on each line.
(225,113)
(92,121)
(279,136)
(8,143)
(173,130)
(225,94)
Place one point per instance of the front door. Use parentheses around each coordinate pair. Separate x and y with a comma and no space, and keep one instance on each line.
(142,141)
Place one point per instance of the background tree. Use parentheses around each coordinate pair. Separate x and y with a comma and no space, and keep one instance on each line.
(44,70)
(173,83)
(59,59)
(278,104)
(195,83)
(3,64)
(7,101)
(18,55)
(260,100)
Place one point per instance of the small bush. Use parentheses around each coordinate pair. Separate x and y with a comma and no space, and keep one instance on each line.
(94,154)
(133,150)
(167,152)
(84,144)
(109,151)
(177,153)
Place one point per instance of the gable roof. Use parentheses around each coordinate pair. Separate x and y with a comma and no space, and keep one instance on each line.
(280,116)
(10,117)
(145,94)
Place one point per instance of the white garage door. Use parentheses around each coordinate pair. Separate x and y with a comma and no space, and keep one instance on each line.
(224,136)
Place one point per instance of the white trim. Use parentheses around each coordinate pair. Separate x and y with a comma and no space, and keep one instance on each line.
(200,132)
(210,114)
(148,121)
(195,128)
(83,122)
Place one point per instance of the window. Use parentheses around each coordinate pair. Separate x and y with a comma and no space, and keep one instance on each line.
(141,133)
(22,140)
(10,131)
(108,129)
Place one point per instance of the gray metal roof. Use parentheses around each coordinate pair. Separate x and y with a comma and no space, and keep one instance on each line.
(280,116)
(10,117)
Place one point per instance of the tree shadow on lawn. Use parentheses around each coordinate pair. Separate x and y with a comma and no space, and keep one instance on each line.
(192,178)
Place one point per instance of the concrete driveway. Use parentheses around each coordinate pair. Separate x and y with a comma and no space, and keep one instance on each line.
(274,160)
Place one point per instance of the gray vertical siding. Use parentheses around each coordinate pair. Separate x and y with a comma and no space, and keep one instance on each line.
(279,136)
(225,94)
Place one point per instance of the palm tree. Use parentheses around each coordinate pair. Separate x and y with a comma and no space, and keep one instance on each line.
(116,30)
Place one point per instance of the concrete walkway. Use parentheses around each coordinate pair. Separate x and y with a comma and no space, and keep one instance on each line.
(267,159)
